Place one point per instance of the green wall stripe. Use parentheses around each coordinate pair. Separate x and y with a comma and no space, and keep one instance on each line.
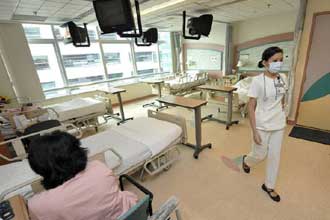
(319,89)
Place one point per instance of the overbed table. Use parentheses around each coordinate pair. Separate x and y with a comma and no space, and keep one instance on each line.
(159,84)
(229,91)
(196,105)
(117,91)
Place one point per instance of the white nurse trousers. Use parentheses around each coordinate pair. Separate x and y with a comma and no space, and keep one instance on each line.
(270,148)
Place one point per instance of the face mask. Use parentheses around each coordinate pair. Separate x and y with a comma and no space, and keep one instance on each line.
(275,67)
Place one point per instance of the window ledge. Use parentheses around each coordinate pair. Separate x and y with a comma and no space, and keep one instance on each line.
(81,89)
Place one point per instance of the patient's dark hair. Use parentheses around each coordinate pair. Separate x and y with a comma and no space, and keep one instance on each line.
(57,157)
(268,53)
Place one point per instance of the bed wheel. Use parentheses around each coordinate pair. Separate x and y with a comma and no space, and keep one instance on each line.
(196,156)
(167,168)
(210,147)
(227,127)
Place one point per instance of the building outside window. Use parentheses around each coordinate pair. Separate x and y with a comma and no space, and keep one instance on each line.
(37,31)
(147,60)
(47,67)
(118,60)
(82,64)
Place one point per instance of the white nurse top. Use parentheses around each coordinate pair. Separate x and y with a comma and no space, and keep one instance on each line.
(269,113)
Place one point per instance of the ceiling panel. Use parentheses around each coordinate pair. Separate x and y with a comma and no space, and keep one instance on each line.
(7,8)
(223,10)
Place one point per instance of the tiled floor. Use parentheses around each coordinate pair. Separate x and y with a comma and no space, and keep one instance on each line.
(209,190)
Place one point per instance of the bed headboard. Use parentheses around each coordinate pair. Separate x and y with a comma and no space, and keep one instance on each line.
(178,120)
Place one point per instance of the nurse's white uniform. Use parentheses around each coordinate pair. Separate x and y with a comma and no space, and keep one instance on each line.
(270,123)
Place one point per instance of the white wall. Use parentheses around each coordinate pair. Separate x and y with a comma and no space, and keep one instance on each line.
(18,59)
(264,26)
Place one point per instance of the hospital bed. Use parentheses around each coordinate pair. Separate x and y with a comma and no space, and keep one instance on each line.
(125,149)
(82,112)
(185,83)
(15,120)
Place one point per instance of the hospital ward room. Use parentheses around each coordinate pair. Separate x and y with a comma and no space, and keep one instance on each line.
(164,109)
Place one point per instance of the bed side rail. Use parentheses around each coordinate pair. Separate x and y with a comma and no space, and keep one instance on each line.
(178,120)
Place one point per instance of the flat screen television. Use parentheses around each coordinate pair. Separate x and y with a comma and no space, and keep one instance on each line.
(114,16)
(75,34)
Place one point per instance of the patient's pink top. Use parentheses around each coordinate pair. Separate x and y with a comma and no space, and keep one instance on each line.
(93,194)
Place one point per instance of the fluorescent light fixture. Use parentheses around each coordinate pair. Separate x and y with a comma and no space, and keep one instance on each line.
(161,6)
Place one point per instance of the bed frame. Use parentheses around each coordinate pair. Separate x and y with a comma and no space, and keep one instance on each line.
(163,160)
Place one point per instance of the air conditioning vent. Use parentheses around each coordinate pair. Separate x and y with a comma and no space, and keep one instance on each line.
(18,17)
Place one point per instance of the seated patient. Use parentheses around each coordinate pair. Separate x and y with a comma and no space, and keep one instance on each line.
(75,188)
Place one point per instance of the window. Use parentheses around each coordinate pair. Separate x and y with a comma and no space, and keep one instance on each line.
(112,58)
(165,52)
(118,60)
(37,31)
(109,57)
(147,59)
(41,62)
(82,64)
(45,60)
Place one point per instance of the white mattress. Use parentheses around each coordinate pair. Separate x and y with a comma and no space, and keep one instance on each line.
(78,107)
(131,151)
(155,134)
(15,174)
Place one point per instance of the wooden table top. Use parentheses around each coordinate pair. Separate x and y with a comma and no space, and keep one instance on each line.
(182,101)
(112,90)
(217,88)
(19,208)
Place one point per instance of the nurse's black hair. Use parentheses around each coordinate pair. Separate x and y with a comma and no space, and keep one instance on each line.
(268,53)
(57,157)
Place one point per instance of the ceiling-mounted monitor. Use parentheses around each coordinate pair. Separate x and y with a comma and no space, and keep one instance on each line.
(198,26)
(76,35)
(148,38)
(116,16)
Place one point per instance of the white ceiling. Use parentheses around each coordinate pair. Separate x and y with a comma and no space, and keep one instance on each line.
(57,11)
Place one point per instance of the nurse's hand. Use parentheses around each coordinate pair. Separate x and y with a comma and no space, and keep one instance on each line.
(257,138)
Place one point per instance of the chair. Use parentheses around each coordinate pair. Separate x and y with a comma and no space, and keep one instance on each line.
(143,209)
(139,211)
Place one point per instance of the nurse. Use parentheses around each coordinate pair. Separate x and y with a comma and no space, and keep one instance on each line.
(267,118)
